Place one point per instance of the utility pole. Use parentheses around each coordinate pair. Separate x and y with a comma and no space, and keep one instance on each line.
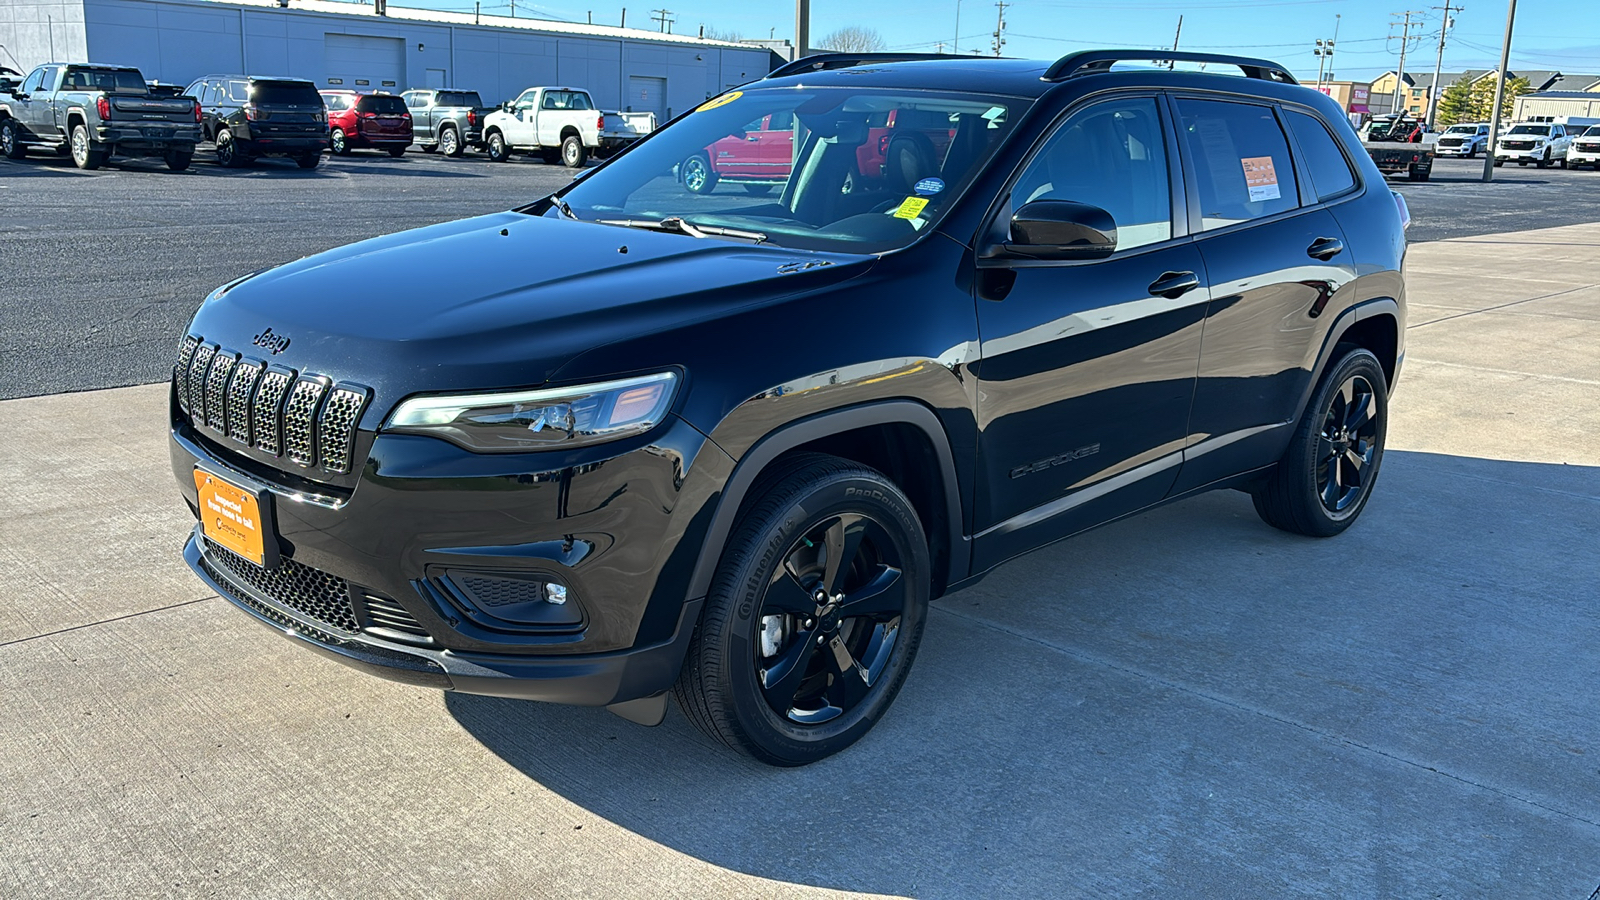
(663,18)
(1405,44)
(802,30)
(1173,63)
(1000,26)
(1438,63)
(1499,93)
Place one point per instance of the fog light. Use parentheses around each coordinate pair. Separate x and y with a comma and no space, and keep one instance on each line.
(555,593)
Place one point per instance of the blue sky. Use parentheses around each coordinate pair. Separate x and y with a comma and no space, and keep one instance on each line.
(1550,34)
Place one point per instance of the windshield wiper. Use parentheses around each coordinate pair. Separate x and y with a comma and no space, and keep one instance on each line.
(562,207)
(679,226)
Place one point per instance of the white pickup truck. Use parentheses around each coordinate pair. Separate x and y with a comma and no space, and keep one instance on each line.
(1540,143)
(560,124)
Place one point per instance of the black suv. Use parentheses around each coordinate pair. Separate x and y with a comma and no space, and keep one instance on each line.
(247,117)
(633,440)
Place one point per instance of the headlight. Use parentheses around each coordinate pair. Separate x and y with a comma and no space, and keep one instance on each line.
(544,419)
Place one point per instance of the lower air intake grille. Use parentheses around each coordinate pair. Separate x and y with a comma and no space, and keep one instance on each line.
(383,612)
(305,590)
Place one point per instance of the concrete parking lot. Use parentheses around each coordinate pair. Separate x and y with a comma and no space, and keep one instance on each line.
(1186,704)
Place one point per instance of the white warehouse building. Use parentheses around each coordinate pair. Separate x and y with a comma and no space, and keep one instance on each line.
(361,47)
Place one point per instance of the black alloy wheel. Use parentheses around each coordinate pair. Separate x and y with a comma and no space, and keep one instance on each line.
(815,615)
(228,153)
(1326,476)
(11,142)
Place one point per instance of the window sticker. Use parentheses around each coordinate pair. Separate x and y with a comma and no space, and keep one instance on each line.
(911,207)
(724,100)
(929,186)
(1260,178)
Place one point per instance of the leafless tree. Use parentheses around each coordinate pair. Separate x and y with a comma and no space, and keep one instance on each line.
(852,39)
(712,33)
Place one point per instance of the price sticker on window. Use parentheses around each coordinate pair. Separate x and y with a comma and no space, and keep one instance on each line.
(1260,178)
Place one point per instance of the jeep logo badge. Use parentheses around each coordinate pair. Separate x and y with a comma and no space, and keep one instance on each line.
(272,343)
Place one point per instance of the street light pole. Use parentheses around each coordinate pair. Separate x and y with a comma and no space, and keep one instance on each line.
(802,28)
(956,46)
(1499,92)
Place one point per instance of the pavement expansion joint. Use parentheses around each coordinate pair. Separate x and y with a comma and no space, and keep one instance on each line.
(1191,690)
(1474,312)
(133,615)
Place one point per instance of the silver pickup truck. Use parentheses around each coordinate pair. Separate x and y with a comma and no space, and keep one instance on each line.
(446,121)
(94,112)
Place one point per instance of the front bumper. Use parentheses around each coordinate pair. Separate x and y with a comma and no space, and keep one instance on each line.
(1463,150)
(1583,157)
(1514,155)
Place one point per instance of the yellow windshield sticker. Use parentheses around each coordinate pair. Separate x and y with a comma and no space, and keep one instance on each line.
(724,100)
(911,207)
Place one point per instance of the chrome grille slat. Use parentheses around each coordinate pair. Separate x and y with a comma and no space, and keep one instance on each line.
(275,409)
(217,390)
(198,367)
(240,391)
(300,420)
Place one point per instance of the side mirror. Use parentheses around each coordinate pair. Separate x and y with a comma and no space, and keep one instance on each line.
(1061,230)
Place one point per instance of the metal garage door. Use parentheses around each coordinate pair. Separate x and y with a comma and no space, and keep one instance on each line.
(360,62)
(647,95)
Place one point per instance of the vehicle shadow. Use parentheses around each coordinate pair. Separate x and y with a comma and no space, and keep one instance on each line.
(1184,700)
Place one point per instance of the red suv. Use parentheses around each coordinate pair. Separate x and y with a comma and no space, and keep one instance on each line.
(375,121)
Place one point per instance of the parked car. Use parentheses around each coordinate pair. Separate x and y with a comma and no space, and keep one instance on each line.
(557,123)
(1540,143)
(359,121)
(631,440)
(1585,149)
(1466,139)
(95,112)
(759,155)
(446,121)
(247,117)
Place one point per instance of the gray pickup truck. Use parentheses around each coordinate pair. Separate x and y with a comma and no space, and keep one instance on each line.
(447,121)
(94,112)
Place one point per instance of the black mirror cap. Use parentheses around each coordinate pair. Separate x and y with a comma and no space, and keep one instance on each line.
(1063,229)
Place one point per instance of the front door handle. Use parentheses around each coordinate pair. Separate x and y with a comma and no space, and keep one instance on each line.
(1173,285)
(1325,248)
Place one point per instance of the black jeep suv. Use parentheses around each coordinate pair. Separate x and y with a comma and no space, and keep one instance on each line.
(729,447)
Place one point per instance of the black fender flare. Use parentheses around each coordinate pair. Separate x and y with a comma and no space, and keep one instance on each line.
(1349,317)
(822,425)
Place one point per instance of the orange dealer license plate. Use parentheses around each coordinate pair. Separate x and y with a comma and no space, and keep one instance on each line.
(231,517)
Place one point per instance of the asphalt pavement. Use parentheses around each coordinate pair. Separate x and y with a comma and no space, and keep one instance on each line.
(103,270)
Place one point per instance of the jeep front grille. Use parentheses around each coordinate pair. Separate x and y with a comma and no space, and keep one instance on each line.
(300,415)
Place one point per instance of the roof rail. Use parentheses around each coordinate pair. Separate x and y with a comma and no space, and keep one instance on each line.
(1088,62)
(819,61)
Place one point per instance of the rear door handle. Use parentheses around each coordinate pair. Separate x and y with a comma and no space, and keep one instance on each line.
(1173,285)
(1325,248)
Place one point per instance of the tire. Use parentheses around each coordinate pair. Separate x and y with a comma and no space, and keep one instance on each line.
(309,160)
(229,156)
(833,675)
(397,152)
(84,155)
(1563,162)
(495,144)
(1346,422)
(339,142)
(11,141)
(450,142)
(1419,174)
(428,148)
(178,160)
(758,190)
(697,174)
(1498,163)
(573,153)
(550,156)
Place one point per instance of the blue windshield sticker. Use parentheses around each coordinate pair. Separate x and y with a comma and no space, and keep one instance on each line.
(929,186)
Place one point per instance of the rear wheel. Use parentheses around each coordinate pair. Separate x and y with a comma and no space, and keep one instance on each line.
(178,160)
(309,160)
(495,143)
(229,156)
(697,175)
(449,142)
(11,141)
(397,152)
(339,142)
(1417,174)
(84,154)
(573,153)
(814,617)
(1326,475)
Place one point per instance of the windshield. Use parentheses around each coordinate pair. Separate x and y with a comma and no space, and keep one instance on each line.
(1529,129)
(1462,129)
(459,98)
(865,170)
(1594,131)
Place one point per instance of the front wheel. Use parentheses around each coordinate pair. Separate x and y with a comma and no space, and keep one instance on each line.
(815,615)
(11,141)
(84,154)
(697,175)
(496,146)
(1326,475)
(573,153)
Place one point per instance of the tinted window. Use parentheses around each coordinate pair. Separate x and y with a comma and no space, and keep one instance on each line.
(460,98)
(1530,129)
(238,91)
(286,93)
(1594,131)
(1241,161)
(111,81)
(1330,171)
(381,105)
(1112,156)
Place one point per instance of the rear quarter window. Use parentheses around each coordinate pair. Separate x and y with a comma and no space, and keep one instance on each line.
(1330,170)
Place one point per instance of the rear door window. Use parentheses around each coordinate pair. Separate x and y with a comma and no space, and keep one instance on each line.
(1242,166)
(1330,170)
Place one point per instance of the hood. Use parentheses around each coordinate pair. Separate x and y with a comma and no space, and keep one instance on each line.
(496,301)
